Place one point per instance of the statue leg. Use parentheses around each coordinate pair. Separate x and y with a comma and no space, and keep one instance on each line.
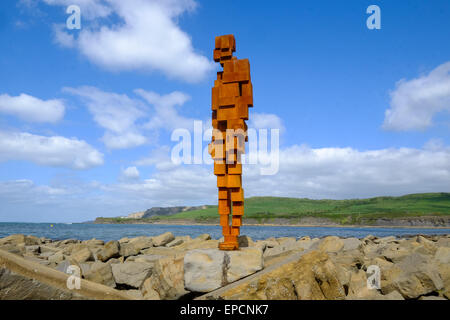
(229,232)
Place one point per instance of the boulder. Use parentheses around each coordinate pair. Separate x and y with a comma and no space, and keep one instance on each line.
(128,249)
(442,262)
(395,252)
(16,239)
(56,257)
(100,272)
(149,258)
(166,281)
(266,243)
(442,255)
(68,241)
(385,239)
(203,237)
(110,250)
(304,276)
(162,251)
(205,269)
(34,249)
(284,240)
(93,242)
(48,248)
(82,255)
(351,244)
(124,240)
(141,242)
(331,244)
(243,262)
(245,241)
(163,239)
(358,289)
(46,255)
(199,244)
(443,242)
(286,247)
(132,274)
(177,241)
(412,277)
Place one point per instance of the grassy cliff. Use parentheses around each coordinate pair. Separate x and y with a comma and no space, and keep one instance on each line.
(355,211)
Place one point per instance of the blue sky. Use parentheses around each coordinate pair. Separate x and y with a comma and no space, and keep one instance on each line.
(363,112)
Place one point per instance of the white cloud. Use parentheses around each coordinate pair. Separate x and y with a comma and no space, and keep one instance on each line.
(160,158)
(32,109)
(265,121)
(116,113)
(130,173)
(349,173)
(336,173)
(126,119)
(165,115)
(415,102)
(48,151)
(146,37)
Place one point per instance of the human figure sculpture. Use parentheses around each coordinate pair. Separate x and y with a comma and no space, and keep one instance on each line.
(232,95)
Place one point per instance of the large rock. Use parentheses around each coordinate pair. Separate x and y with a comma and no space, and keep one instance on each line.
(331,244)
(110,250)
(82,255)
(17,239)
(442,262)
(199,244)
(128,249)
(358,289)
(351,244)
(209,269)
(205,270)
(134,246)
(141,242)
(203,237)
(166,281)
(48,248)
(287,245)
(162,251)
(308,276)
(56,257)
(442,255)
(100,272)
(132,274)
(34,249)
(163,239)
(93,242)
(177,241)
(243,262)
(21,279)
(413,277)
(245,241)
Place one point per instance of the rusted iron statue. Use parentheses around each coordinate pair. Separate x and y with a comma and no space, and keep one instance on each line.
(232,95)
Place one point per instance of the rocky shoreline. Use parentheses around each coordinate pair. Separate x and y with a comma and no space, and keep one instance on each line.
(166,267)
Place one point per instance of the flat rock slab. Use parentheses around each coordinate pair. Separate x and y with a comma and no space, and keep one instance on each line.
(132,274)
(204,270)
(208,269)
(163,239)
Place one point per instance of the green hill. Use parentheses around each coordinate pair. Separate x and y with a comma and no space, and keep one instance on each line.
(354,211)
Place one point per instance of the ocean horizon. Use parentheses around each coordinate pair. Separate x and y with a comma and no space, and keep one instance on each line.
(107,232)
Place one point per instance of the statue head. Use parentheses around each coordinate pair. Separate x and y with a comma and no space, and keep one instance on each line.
(225,46)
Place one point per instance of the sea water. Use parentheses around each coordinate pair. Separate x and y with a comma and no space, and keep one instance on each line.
(108,232)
